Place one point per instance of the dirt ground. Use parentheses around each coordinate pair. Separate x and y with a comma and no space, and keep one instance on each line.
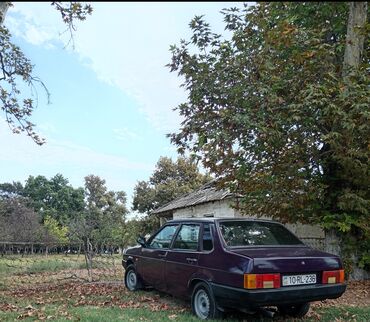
(356,294)
(114,294)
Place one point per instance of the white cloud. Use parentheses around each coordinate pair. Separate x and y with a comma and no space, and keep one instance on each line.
(127,45)
(36,25)
(124,134)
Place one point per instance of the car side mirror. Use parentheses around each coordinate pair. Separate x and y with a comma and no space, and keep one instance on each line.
(141,240)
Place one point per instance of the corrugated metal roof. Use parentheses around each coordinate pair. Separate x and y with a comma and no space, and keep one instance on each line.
(205,193)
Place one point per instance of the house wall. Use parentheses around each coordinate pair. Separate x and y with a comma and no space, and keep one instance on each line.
(220,208)
(312,235)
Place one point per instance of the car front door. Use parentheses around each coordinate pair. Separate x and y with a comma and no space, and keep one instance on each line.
(154,255)
(182,260)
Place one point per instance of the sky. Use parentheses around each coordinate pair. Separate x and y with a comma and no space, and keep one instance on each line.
(112,97)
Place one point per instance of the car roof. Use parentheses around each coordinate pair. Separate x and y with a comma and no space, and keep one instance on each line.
(217,219)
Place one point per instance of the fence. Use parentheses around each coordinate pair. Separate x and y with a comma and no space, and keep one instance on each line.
(30,248)
(39,263)
(317,243)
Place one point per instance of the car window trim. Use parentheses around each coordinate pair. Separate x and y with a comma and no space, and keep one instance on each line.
(211,233)
(159,230)
(302,244)
(178,231)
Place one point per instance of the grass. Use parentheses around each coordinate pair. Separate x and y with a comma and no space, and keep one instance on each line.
(53,266)
(346,314)
(39,263)
(33,288)
(111,314)
(16,270)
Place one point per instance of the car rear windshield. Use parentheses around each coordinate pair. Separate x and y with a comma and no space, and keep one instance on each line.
(254,233)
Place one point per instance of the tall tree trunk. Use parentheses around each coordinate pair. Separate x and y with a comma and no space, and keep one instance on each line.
(89,258)
(4,6)
(355,40)
(355,37)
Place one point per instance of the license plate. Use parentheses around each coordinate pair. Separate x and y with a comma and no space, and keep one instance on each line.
(299,279)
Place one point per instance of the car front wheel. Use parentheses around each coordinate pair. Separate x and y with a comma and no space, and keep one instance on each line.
(132,281)
(296,310)
(203,303)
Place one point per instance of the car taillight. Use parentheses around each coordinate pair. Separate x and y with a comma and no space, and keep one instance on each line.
(333,277)
(254,281)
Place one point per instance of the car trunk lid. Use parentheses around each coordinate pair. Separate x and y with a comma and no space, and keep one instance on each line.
(288,259)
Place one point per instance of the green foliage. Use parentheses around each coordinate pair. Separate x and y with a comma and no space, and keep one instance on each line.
(51,210)
(18,222)
(134,228)
(54,197)
(169,180)
(8,190)
(55,230)
(102,219)
(270,112)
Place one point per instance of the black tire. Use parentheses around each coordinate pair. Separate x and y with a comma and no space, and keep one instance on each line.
(295,310)
(203,303)
(132,280)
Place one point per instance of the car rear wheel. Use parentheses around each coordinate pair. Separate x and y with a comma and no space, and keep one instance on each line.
(296,310)
(132,281)
(203,303)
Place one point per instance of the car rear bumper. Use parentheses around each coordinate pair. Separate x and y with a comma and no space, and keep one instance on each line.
(240,298)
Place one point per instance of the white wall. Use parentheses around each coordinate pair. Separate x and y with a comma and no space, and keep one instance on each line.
(223,209)
(210,209)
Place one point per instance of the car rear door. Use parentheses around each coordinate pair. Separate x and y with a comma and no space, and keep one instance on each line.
(182,259)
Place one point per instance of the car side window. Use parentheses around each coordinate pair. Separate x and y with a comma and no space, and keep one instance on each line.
(187,238)
(163,238)
(207,238)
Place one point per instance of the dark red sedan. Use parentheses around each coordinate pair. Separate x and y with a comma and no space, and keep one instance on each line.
(237,263)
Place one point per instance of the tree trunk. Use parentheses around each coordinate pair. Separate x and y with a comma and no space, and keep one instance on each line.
(355,37)
(89,258)
(3,9)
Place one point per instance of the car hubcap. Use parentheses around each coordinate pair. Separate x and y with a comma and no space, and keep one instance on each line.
(131,280)
(201,304)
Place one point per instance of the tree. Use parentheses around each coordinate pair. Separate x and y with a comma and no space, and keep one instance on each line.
(105,211)
(281,111)
(169,180)
(9,190)
(18,222)
(54,197)
(42,207)
(101,222)
(16,71)
(56,232)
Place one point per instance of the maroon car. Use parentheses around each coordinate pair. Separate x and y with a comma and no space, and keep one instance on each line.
(237,263)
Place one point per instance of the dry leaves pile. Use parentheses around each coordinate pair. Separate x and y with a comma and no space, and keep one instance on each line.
(84,294)
(357,294)
(115,294)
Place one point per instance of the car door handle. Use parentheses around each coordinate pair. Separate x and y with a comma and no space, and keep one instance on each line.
(162,255)
(191,260)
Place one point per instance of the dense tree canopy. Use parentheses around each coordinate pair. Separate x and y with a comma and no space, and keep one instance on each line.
(51,210)
(103,216)
(18,222)
(279,115)
(169,180)
(54,197)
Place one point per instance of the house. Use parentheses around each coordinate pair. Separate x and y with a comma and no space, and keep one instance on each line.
(209,201)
